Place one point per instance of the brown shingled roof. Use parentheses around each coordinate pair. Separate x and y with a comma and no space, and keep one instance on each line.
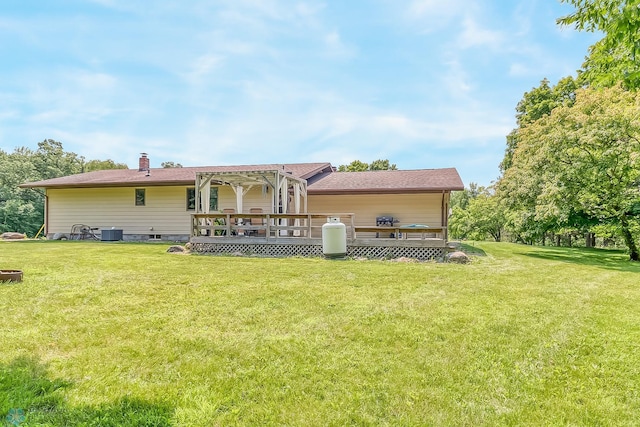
(392,181)
(166,176)
(422,180)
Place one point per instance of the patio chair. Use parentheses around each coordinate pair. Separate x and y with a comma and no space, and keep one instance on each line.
(83,232)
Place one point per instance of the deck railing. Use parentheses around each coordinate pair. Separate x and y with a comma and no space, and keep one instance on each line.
(403,231)
(270,225)
(307,225)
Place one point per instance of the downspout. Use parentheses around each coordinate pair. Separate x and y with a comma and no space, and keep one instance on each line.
(444,220)
(46,213)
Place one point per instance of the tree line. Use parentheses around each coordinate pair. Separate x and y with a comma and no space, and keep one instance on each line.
(22,209)
(571,167)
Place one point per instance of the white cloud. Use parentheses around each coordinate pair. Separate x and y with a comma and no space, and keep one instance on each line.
(522,17)
(202,67)
(435,9)
(473,35)
(309,10)
(78,95)
(456,79)
(335,46)
(106,3)
(93,81)
(518,69)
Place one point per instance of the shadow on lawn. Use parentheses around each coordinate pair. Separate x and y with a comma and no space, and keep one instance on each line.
(604,258)
(28,396)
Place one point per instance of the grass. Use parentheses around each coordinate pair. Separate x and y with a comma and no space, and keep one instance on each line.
(126,334)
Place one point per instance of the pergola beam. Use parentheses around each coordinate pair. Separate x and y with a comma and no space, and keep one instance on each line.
(242,181)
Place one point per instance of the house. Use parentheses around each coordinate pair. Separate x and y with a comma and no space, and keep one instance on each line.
(160,203)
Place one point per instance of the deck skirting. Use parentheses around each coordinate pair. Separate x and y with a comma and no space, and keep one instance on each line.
(423,250)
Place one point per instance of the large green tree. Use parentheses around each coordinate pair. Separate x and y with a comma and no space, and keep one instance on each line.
(51,161)
(615,57)
(538,103)
(580,165)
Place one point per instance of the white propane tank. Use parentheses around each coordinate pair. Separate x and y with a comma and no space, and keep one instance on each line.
(334,238)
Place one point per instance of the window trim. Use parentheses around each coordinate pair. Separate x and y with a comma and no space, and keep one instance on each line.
(213,199)
(140,197)
(191,199)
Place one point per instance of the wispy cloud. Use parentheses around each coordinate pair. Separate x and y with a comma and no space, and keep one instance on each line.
(335,47)
(435,12)
(202,67)
(456,79)
(473,35)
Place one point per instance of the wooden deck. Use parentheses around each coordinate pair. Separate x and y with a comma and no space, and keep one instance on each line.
(278,226)
(301,235)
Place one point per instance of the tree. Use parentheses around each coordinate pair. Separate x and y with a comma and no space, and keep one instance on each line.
(614,58)
(606,67)
(580,165)
(482,217)
(22,210)
(461,198)
(51,161)
(618,19)
(98,165)
(381,165)
(354,166)
(538,103)
(167,165)
(359,166)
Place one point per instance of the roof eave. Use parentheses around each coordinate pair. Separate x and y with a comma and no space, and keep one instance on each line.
(316,171)
(382,190)
(112,184)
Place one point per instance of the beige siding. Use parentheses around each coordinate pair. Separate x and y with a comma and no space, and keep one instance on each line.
(165,209)
(408,208)
(253,199)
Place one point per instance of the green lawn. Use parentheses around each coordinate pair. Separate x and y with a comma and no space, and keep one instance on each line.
(126,334)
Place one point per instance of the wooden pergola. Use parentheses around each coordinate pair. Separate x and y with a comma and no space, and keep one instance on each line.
(281,183)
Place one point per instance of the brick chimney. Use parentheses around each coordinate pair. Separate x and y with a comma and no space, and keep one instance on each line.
(143,162)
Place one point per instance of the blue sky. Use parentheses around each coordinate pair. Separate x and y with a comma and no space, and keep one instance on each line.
(423,83)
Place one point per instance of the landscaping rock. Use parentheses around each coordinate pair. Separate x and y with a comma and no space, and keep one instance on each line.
(458,257)
(60,236)
(177,249)
(453,246)
(12,236)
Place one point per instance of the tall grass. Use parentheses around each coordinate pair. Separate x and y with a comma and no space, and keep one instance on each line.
(126,334)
